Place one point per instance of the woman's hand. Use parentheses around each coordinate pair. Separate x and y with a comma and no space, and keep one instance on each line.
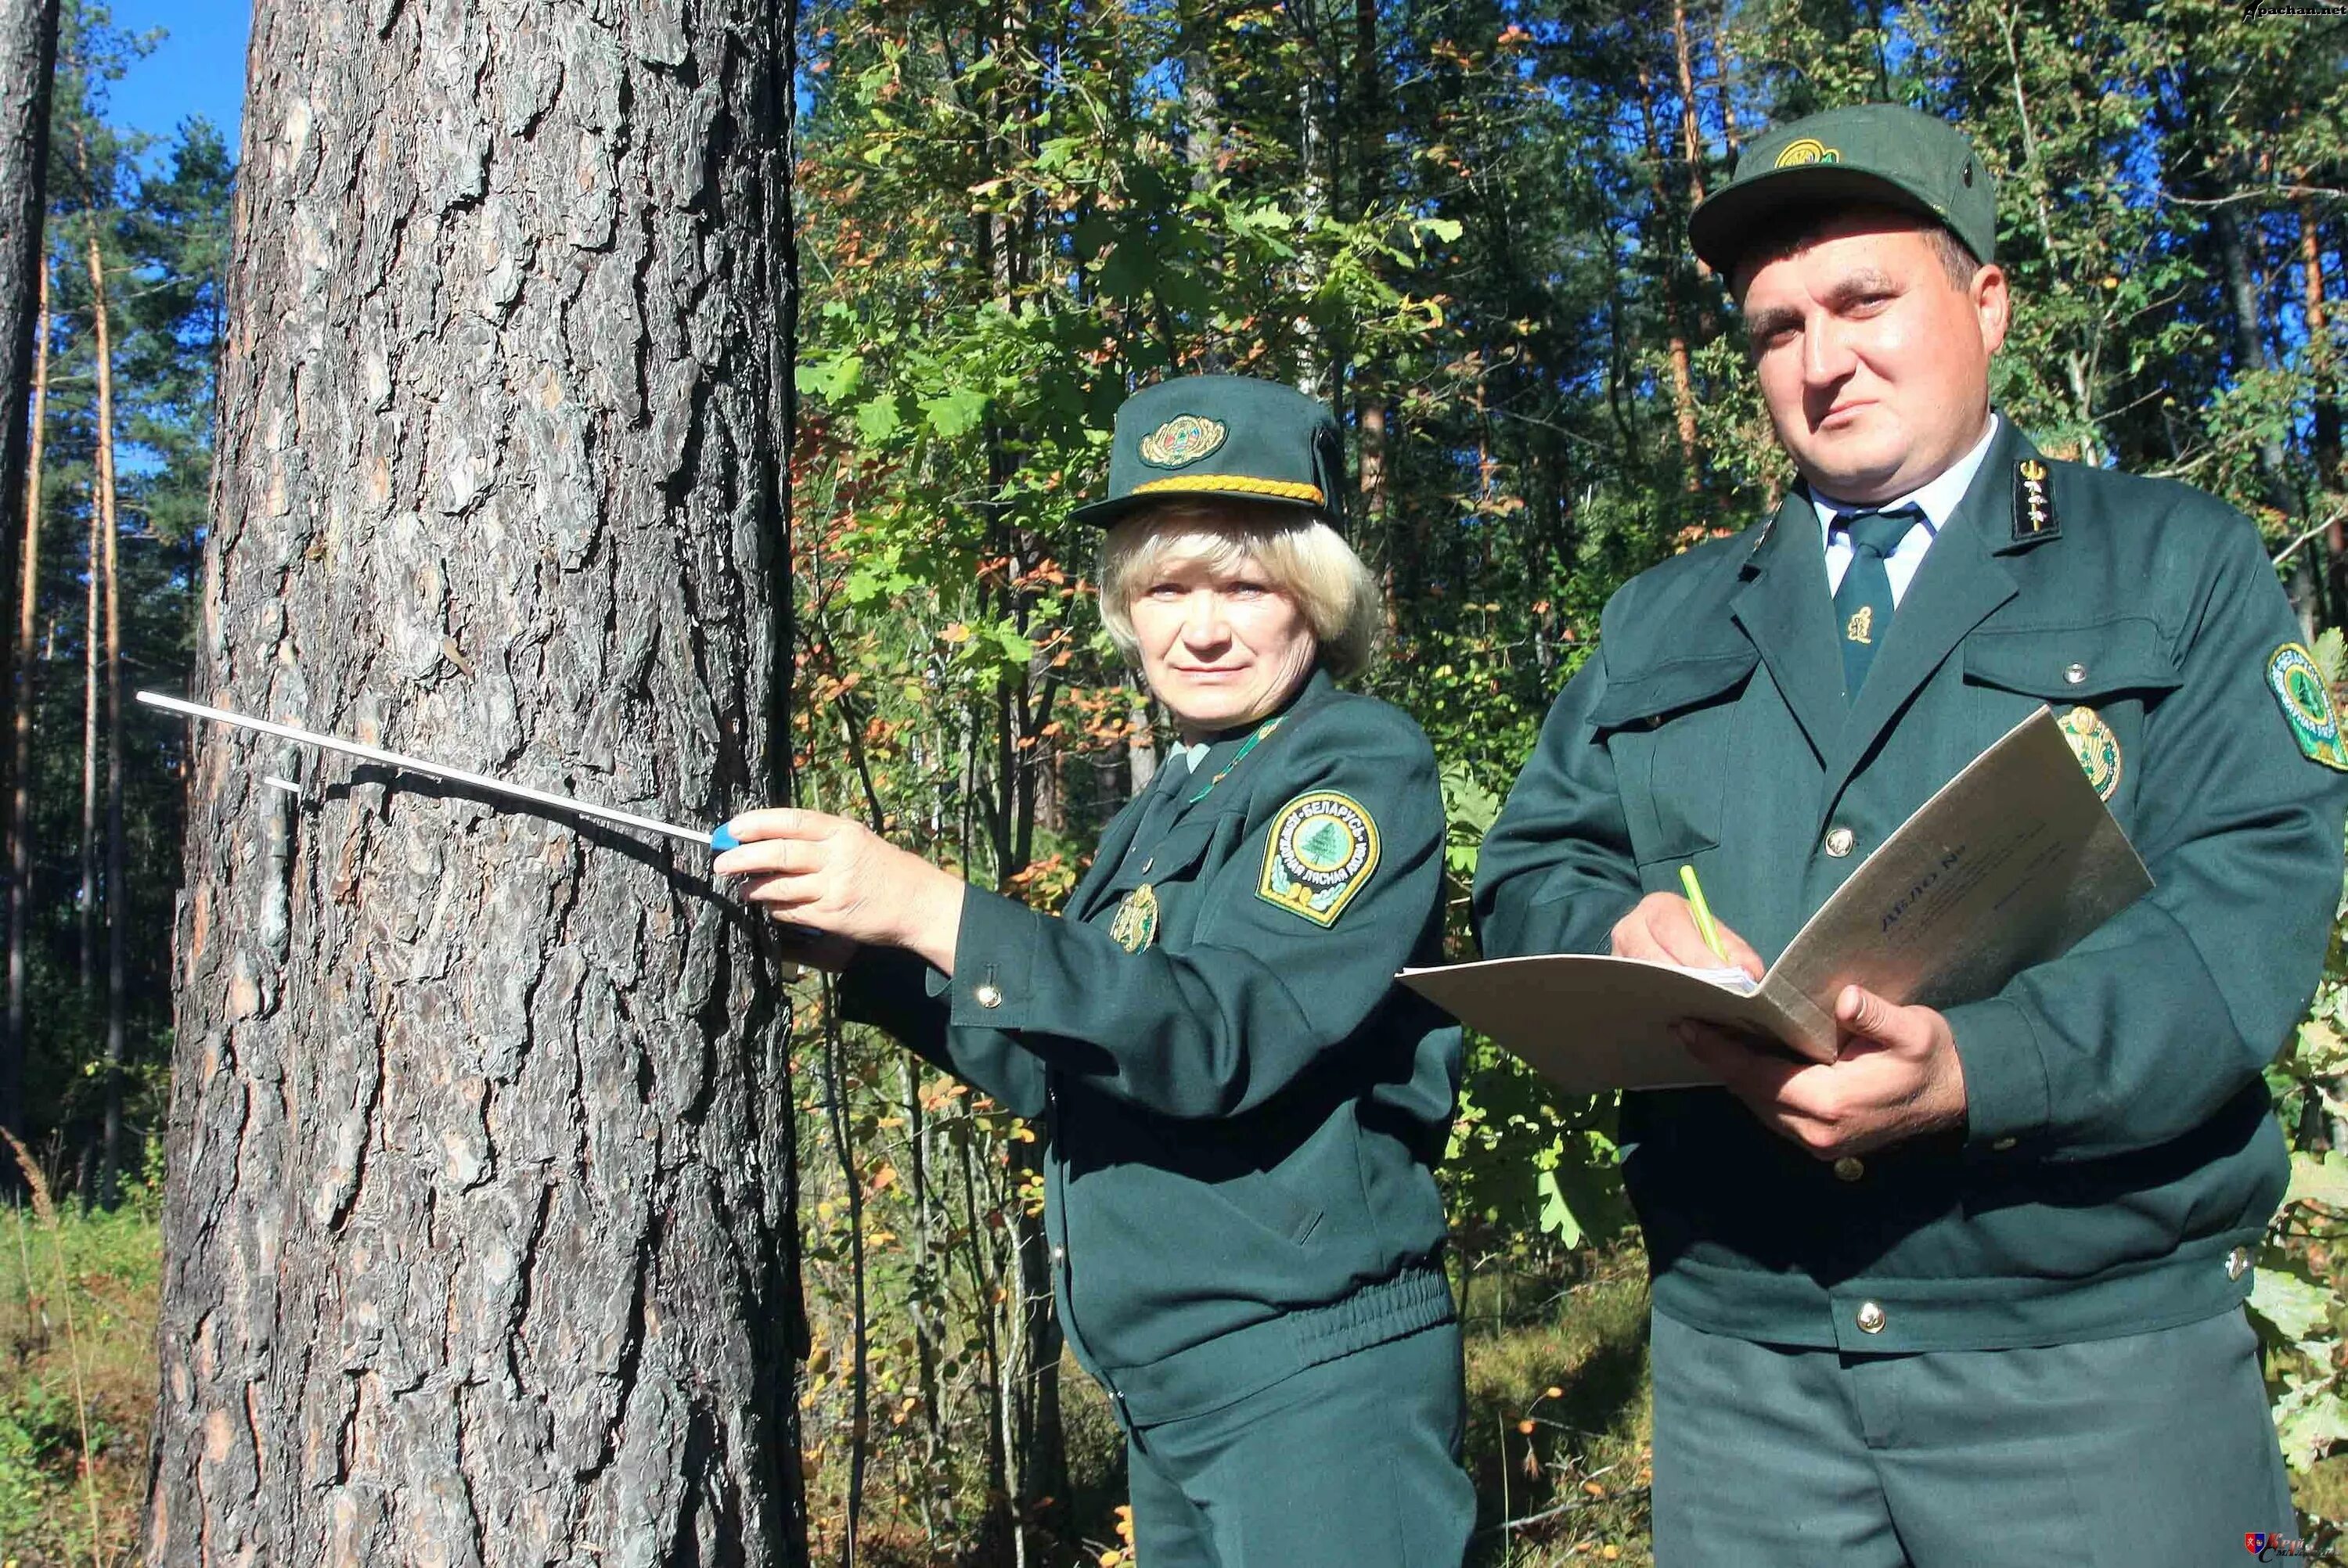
(838,877)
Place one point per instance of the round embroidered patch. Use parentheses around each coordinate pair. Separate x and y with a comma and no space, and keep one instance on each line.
(1181,441)
(1136,926)
(2097,749)
(1322,848)
(2298,686)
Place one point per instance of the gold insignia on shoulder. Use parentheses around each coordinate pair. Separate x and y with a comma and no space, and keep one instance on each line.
(1182,441)
(2097,749)
(1136,926)
(1862,625)
(2299,685)
(1808,150)
(2034,503)
(1322,848)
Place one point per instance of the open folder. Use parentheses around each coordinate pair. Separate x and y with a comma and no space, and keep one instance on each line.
(2010,863)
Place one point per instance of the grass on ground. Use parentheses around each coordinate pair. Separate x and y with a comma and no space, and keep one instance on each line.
(78,1296)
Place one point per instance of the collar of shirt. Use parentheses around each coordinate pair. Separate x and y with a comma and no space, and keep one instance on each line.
(1939,499)
(1191,754)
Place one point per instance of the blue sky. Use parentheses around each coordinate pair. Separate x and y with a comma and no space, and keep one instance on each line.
(197,68)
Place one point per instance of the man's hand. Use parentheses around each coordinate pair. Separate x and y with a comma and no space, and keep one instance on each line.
(840,878)
(1661,930)
(1899,1076)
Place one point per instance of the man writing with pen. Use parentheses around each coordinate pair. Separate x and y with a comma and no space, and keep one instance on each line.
(1972,1292)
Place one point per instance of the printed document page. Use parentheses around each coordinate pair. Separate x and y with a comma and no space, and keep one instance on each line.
(2007,865)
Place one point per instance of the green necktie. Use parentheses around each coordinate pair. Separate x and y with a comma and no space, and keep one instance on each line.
(1863,603)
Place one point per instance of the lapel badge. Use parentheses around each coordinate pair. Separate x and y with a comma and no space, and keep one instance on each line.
(1136,926)
(2033,507)
(2097,749)
(1182,441)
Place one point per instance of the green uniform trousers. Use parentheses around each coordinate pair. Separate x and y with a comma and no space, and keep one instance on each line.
(1351,1463)
(2148,1450)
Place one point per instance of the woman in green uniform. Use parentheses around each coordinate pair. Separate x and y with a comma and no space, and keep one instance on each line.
(1241,1108)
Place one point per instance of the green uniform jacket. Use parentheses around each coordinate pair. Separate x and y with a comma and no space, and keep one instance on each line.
(1242,1116)
(2119,1143)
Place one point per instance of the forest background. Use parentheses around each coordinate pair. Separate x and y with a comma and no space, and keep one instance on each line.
(1462,223)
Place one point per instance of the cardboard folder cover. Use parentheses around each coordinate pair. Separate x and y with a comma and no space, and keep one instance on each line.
(2008,863)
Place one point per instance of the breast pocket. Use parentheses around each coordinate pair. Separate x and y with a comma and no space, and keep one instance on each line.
(1673,732)
(2102,681)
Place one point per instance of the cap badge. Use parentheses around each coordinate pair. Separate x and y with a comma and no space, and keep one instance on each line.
(2097,749)
(1808,150)
(1181,441)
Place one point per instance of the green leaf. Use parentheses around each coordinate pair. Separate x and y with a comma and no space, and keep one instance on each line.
(2311,1421)
(2322,1178)
(2296,1309)
(955,413)
(834,379)
(877,418)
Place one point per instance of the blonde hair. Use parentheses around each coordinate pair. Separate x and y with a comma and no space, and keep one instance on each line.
(1304,557)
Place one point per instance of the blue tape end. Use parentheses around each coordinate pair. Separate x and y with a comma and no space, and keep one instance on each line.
(721,839)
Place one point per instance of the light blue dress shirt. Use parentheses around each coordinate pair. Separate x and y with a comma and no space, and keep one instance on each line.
(1939,498)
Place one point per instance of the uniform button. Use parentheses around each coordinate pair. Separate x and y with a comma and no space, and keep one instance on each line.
(2238,1263)
(2002,1144)
(988,995)
(1840,841)
(1870,1318)
(1059,1255)
(1850,1168)
(2076,674)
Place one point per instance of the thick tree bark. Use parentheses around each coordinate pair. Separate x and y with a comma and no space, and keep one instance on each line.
(20,796)
(479,1241)
(29,56)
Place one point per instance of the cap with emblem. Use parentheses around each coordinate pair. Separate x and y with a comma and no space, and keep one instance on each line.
(1229,436)
(1868,153)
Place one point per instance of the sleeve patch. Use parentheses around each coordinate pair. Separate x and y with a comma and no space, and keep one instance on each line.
(1322,848)
(2299,686)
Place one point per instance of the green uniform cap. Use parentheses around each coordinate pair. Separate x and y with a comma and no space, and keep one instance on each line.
(1228,436)
(1869,153)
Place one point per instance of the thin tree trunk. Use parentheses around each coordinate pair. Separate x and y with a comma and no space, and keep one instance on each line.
(117,916)
(2075,363)
(2322,361)
(20,845)
(89,641)
(1674,328)
(1369,396)
(2251,354)
(28,55)
(478,1239)
(1690,137)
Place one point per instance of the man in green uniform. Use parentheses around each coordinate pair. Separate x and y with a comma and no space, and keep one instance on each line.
(1972,1291)
(1241,1107)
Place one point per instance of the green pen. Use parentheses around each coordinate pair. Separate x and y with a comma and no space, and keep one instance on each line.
(1703,913)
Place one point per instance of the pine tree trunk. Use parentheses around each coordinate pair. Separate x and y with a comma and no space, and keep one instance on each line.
(20,797)
(1667,284)
(480,1236)
(28,53)
(111,1143)
(94,569)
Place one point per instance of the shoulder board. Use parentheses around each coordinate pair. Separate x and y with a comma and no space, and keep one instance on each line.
(2035,517)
